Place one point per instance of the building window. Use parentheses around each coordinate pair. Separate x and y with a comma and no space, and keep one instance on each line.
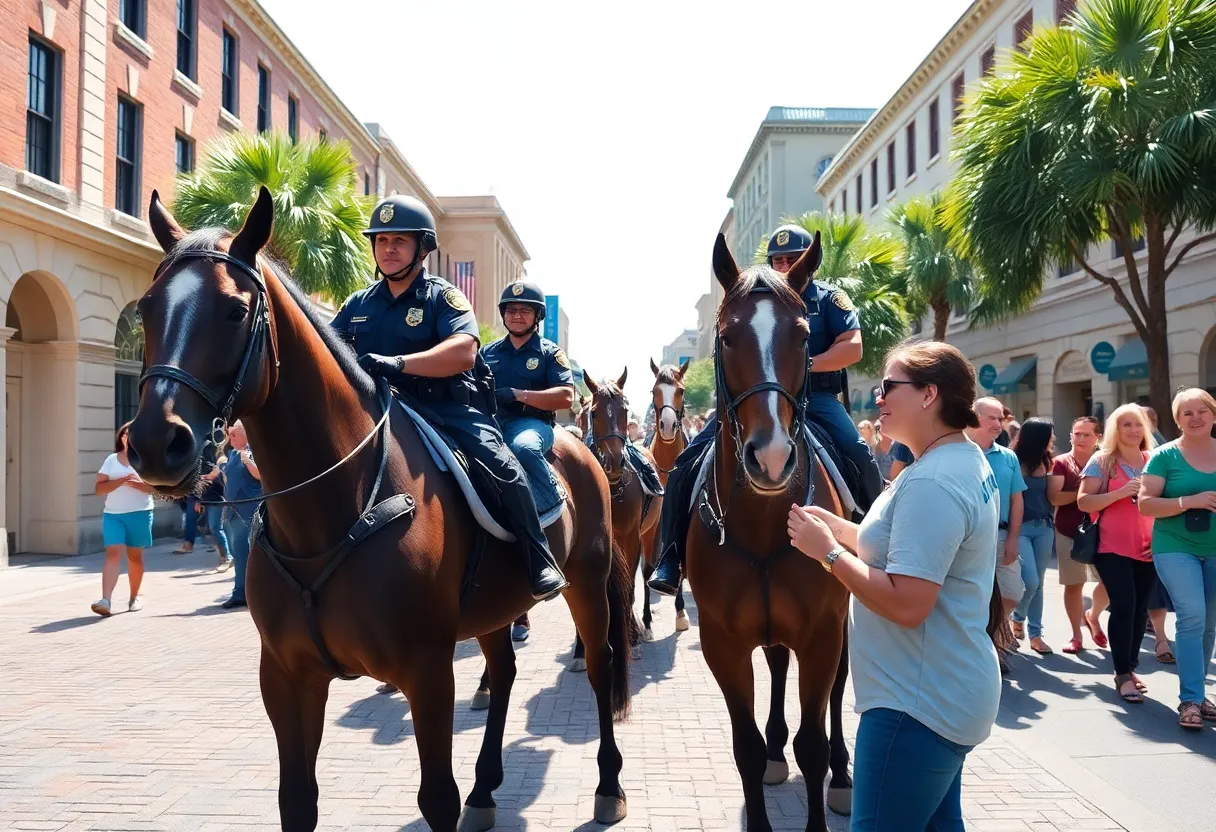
(367,183)
(126,173)
(228,71)
(128,364)
(873,181)
(293,118)
(857,196)
(1138,245)
(891,168)
(1064,9)
(133,14)
(844,201)
(910,135)
(185,37)
(934,129)
(1022,29)
(987,60)
(184,153)
(957,88)
(42,112)
(321,134)
(263,99)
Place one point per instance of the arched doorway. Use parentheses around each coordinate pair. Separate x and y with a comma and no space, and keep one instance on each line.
(1207,364)
(1073,394)
(128,364)
(40,417)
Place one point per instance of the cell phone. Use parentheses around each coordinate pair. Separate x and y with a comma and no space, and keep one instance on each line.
(1198,520)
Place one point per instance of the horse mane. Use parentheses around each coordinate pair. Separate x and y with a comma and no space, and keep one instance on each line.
(761,278)
(209,239)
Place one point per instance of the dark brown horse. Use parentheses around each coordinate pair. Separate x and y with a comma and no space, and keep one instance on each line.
(218,318)
(752,588)
(668,442)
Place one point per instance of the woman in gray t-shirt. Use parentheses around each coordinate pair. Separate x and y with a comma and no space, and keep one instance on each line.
(921,567)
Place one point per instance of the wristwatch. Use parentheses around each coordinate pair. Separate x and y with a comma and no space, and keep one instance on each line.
(832,556)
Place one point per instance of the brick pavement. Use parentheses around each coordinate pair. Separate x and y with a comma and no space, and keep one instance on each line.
(153,721)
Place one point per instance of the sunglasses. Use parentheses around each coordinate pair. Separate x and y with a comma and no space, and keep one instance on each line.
(885,387)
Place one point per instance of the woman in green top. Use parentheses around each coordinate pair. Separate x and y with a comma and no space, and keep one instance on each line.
(1178,488)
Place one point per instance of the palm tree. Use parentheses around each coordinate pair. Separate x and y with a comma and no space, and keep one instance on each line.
(865,266)
(932,274)
(319,215)
(1103,128)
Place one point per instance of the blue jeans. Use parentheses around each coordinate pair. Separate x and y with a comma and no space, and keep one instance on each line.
(905,776)
(238,541)
(530,439)
(1036,542)
(191,530)
(1191,582)
(215,521)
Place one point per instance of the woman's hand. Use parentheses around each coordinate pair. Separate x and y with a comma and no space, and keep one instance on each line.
(809,534)
(1204,499)
(1131,488)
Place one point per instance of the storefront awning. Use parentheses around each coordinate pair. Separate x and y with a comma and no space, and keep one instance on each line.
(1011,378)
(1130,361)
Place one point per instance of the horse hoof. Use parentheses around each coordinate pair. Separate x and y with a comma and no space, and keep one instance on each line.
(578,666)
(648,635)
(610,809)
(681,622)
(840,801)
(635,653)
(476,819)
(481,702)
(777,771)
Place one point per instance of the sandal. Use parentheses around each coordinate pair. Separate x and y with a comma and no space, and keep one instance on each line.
(1043,650)
(1132,697)
(1166,655)
(1140,685)
(1190,716)
(1073,647)
(1019,629)
(182,550)
(1096,633)
(1207,710)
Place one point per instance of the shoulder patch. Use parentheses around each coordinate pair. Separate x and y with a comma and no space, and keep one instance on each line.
(842,300)
(560,358)
(456,299)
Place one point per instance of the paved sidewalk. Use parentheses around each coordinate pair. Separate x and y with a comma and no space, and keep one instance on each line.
(153,721)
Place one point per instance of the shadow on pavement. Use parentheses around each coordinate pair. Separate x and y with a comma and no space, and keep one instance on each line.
(383,715)
(66,624)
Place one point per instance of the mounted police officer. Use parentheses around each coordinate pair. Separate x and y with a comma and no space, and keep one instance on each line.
(418,331)
(835,343)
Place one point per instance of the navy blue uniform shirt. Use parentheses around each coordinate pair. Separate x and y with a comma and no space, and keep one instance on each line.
(830,314)
(537,365)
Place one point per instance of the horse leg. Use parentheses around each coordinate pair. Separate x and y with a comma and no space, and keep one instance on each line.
(647,616)
(578,664)
(731,665)
(811,741)
(681,616)
(481,699)
(432,696)
(776,731)
(479,812)
(840,789)
(296,707)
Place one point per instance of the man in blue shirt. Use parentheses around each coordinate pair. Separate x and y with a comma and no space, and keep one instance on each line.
(242,481)
(418,331)
(834,344)
(1010,484)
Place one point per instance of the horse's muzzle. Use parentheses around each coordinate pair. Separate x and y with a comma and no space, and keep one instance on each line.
(163,450)
(769,466)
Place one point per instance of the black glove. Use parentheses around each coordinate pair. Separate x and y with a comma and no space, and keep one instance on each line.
(379,365)
(504,395)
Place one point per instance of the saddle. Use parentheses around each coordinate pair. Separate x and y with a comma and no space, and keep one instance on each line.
(479,491)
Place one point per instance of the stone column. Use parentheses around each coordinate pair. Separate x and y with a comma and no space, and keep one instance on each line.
(5,334)
(93,39)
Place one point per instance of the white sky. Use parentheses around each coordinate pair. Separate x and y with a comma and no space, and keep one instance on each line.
(609,132)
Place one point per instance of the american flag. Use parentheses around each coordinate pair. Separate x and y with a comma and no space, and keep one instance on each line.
(464,279)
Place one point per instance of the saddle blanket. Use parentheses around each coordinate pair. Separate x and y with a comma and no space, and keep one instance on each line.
(444,458)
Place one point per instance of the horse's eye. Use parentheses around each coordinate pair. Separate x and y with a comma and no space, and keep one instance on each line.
(238,312)
(726,342)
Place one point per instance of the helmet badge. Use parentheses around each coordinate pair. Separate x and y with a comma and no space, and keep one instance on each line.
(783,237)
(517,289)
(386,212)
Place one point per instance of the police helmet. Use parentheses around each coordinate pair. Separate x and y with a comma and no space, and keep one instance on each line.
(523,292)
(401,214)
(788,239)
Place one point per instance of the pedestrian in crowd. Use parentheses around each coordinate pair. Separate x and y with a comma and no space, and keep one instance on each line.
(1178,489)
(1062,488)
(189,524)
(242,481)
(634,431)
(1110,486)
(925,672)
(698,425)
(891,456)
(1033,447)
(865,429)
(1007,471)
(212,491)
(1151,413)
(1003,438)
(126,523)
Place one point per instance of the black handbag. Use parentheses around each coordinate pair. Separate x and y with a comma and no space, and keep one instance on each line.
(1085,541)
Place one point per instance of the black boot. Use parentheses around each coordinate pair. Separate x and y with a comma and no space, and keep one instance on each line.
(544,576)
(871,483)
(666,577)
(673,532)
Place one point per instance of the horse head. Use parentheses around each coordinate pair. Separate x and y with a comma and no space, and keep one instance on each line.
(207,343)
(762,363)
(668,397)
(608,423)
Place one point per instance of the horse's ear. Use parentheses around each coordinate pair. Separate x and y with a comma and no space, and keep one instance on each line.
(803,270)
(725,268)
(166,230)
(255,233)
(590,382)
(684,367)
(620,382)
(654,368)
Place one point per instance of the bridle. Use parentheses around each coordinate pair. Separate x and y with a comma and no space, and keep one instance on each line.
(595,443)
(259,336)
(658,433)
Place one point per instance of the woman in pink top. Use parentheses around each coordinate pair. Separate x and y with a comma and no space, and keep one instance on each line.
(1110,486)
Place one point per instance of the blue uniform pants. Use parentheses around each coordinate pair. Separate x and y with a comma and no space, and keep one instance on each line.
(828,411)
(530,439)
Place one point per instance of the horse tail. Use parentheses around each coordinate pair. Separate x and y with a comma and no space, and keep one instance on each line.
(620,619)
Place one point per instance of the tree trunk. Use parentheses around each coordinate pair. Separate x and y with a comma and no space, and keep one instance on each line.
(1157,346)
(941,319)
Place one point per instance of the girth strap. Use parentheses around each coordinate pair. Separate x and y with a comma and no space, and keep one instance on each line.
(370,522)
